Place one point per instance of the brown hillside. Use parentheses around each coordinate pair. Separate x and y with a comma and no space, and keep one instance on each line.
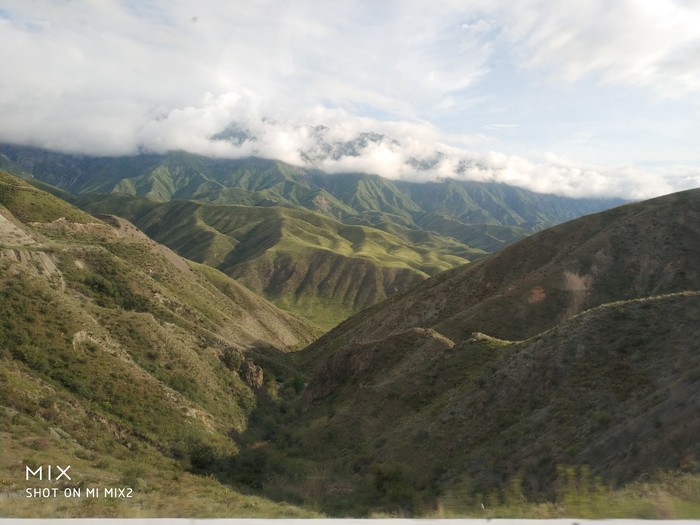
(615,389)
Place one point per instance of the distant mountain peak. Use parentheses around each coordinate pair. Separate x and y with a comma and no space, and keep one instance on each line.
(236,134)
(325,148)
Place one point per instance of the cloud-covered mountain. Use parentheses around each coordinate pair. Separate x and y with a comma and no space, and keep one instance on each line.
(415,152)
(348,241)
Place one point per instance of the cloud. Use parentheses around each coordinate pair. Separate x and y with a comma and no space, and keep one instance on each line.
(648,43)
(118,77)
(502,126)
(143,58)
(335,141)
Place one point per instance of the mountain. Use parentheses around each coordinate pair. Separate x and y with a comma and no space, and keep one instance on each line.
(304,262)
(571,351)
(143,370)
(631,251)
(319,245)
(492,203)
(124,360)
(613,391)
(489,237)
(353,198)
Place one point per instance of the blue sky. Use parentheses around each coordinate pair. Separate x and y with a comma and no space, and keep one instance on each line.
(579,98)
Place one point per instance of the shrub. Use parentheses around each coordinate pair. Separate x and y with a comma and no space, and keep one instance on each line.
(232,359)
(392,487)
(202,455)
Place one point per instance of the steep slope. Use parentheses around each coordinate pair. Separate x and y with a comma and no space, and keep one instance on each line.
(499,204)
(117,356)
(304,262)
(250,317)
(489,237)
(635,250)
(9,167)
(614,389)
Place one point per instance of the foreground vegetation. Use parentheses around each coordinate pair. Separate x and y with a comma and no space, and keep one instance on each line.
(126,362)
(669,495)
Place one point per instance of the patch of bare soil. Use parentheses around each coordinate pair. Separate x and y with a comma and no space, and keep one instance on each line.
(579,286)
(13,235)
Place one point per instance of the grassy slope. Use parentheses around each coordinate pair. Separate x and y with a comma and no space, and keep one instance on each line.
(489,237)
(9,167)
(32,204)
(111,351)
(613,388)
(493,203)
(307,263)
(351,198)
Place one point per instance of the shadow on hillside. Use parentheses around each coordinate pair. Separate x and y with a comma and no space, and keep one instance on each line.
(266,447)
(272,460)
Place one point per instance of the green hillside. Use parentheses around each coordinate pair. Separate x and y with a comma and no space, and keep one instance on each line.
(637,250)
(125,361)
(352,198)
(304,262)
(489,237)
(31,204)
(492,203)
(10,168)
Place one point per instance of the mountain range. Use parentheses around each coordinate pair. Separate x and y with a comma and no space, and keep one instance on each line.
(322,246)
(636,250)
(557,376)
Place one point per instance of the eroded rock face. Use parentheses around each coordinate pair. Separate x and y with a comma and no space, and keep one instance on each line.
(251,374)
(11,234)
(19,245)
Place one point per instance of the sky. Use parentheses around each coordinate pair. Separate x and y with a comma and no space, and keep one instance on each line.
(579,98)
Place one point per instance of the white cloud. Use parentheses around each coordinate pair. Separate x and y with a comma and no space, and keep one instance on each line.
(331,140)
(650,43)
(116,77)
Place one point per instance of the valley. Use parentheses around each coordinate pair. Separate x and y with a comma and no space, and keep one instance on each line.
(558,374)
(408,261)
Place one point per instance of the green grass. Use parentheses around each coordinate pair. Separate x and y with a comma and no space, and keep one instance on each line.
(304,262)
(669,495)
(113,363)
(30,204)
